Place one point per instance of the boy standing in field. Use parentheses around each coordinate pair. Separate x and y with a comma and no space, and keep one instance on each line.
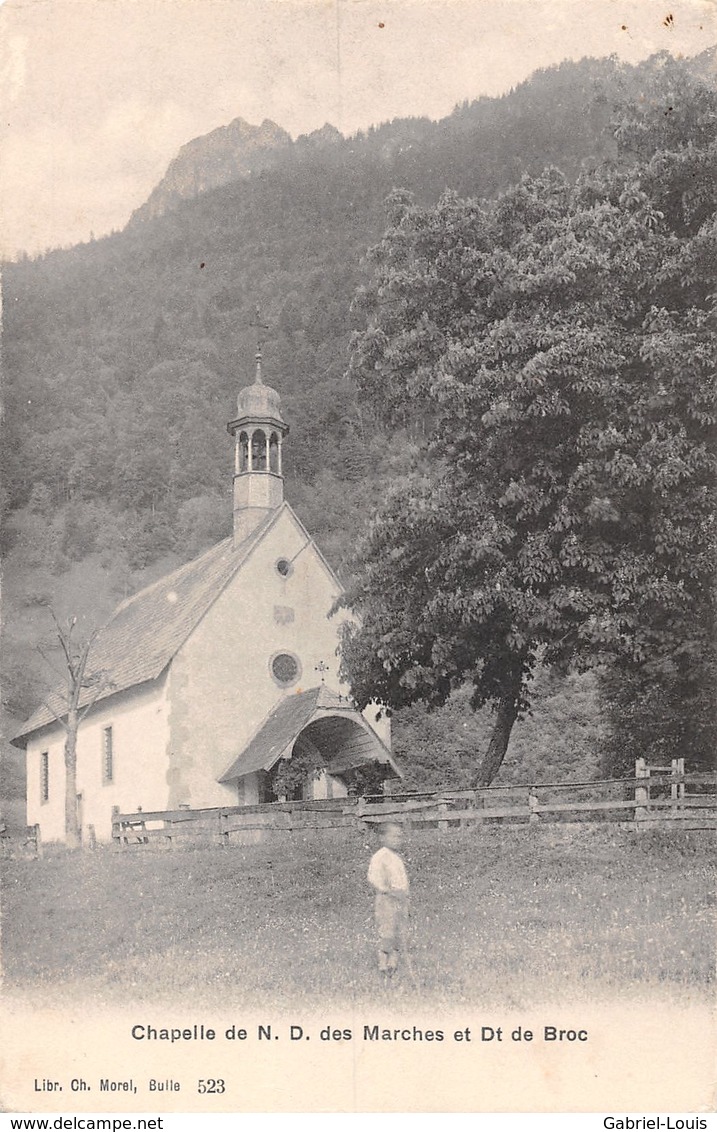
(387,874)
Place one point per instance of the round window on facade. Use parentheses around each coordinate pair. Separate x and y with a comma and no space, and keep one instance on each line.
(283,567)
(285,669)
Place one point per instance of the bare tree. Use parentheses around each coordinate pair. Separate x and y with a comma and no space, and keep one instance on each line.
(69,711)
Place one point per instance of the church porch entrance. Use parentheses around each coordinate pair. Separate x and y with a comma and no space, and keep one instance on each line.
(312,745)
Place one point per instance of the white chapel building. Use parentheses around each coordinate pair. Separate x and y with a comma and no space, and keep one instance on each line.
(216,672)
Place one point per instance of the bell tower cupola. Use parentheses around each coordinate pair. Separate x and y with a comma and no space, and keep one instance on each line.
(258,431)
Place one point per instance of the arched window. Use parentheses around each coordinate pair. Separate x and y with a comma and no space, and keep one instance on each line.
(243,453)
(274,453)
(258,451)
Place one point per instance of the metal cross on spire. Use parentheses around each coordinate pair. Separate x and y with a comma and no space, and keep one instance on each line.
(259,326)
(321,668)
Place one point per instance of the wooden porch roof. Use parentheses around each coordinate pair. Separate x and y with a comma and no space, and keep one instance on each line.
(296,713)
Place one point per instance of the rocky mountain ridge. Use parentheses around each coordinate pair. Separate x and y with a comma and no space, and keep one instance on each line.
(229,153)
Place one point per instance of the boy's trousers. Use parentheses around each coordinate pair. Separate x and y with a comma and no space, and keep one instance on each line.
(391,913)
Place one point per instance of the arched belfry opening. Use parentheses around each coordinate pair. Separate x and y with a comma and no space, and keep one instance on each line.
(258,431)
(241,463)
(258,450)
(275,454)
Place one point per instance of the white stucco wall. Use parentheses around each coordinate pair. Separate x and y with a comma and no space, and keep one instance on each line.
(248,791)
(221,685)
(379,721)
(49,815)
(138,719)
(328,786)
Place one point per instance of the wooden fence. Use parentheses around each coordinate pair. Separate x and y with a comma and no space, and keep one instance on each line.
(219,824)
(647,800)
(656,796)
(27,843)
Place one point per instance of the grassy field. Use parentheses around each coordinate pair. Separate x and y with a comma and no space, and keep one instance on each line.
(500,916)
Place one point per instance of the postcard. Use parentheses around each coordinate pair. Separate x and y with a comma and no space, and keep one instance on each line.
(358,685)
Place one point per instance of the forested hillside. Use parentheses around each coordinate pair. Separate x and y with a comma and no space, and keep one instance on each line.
(123,356)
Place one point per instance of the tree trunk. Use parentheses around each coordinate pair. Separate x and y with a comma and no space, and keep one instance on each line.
(71,830)
(505,718)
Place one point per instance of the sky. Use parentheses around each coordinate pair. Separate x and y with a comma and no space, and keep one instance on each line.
(97,96)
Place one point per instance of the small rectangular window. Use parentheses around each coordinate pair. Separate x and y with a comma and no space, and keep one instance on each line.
(107,755)
(45,776)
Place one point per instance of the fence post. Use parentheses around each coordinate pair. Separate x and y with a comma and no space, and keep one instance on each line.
(443,821)
(363,825)
(33,837)
(642,793)
(91,836)
(677,789)
(115,826)
(479,805)
(468,804)
(534,817)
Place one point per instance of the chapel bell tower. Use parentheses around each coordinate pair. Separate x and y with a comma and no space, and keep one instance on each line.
(258,431)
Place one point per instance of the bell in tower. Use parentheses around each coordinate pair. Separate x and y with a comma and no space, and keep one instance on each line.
(258,432)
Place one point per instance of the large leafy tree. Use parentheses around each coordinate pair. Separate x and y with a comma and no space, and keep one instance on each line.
(552,353)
